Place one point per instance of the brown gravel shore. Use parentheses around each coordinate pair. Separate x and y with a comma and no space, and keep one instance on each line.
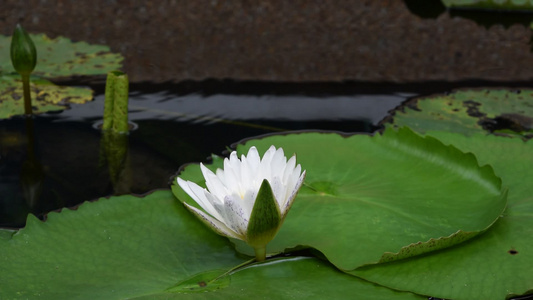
(370,41)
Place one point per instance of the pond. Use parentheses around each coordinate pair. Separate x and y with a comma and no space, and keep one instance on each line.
(174,125)
(342,68)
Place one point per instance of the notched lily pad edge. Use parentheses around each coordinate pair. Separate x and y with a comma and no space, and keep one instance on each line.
(7,232)
(433,244)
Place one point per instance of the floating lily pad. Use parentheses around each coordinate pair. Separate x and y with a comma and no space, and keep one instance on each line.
(60,57)
(151,247)
(45,95)
(490,4)
(495,265)
(377,199)
(508,112)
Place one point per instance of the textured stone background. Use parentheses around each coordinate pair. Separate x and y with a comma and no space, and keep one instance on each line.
(277,40)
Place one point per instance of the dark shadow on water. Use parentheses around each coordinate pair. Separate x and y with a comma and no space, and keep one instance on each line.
(432,9)
(426,9)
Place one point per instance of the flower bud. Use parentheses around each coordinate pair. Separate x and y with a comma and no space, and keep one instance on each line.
(265,219)
(23,53)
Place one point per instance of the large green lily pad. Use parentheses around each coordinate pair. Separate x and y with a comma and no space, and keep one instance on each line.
(508,112)
(60,57)
(494,265)
(151,247)
(376,199)
(45,95)
(497,264)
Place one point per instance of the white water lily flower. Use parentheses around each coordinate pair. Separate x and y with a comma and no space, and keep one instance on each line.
(229,202)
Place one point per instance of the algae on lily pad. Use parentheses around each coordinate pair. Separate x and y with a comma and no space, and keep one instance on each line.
(375,199)
(45,95)
(498,111)
(151,247)
(59,57)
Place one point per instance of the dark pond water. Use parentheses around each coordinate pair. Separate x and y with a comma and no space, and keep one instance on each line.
(56,160)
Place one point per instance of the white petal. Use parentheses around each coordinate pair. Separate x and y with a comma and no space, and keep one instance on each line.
(278,191)
(249,200)
(233,163)
(216,225)
(232,172)
(213,182)
(236,217)
(247,174)
(278,163)
(289,168)
(253,159)
(294,192)
(200,195)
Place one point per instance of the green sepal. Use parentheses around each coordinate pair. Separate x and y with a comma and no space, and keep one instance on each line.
(23,53)
(265,218)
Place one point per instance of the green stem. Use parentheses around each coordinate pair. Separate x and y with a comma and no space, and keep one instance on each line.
(120,105)
(232,269)
(109,101)
(27,96)
(260,253)
(116,102)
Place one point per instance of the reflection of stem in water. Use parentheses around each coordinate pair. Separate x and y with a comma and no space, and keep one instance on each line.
(115,146)
(27,94)
(32,175)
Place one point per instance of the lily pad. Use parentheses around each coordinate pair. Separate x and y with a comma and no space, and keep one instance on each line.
(495,265)
(293,278)
(375,199)
(60,57)
(151,247)
(490,4)
(45,95)
(507,112)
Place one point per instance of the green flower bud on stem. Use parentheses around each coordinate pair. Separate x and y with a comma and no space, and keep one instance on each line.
(265,221)
(23,53)
(24,59)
